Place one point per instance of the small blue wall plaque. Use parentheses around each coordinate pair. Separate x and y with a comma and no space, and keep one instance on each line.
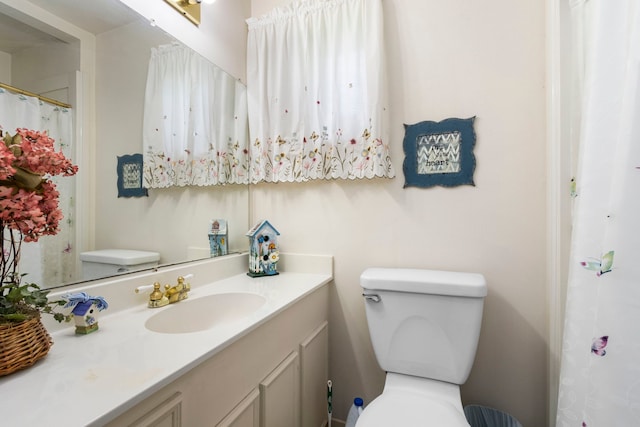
(130,176)
(439,153)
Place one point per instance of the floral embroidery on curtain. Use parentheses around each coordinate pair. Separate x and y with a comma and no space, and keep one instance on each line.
(195,122)
(316,92)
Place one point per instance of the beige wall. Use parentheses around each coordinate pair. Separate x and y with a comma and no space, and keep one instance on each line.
(451,58)
(61,59)
(5,67)
(221,36)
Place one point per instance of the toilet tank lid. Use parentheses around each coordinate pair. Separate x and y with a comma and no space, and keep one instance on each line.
(120,256)
(421,281)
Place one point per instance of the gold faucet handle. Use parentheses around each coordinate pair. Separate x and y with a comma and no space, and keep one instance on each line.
(156,294)
(183,284)
(157,298)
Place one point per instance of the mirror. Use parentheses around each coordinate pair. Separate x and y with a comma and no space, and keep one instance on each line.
(173,222)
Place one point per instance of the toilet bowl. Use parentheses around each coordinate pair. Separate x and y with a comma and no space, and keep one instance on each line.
(424,327)
(411,401)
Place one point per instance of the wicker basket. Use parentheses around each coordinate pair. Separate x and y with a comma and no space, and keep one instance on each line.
(22,344)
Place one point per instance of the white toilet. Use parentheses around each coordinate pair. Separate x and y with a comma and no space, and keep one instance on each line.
(111,262)
(424,327)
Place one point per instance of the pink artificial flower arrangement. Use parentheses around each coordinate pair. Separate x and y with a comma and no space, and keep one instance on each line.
(28,199)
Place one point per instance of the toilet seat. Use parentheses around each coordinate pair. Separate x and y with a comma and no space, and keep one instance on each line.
(414,402)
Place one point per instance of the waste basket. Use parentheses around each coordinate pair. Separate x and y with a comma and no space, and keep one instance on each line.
(482,416)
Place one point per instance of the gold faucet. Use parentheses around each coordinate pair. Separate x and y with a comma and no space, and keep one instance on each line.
(171,294)
(178,292)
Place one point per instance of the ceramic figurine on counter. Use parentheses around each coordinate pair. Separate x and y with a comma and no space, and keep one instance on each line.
(85,311)
(218,237)
(263,250)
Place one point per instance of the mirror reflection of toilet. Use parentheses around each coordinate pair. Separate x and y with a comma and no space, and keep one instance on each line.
(424,327)
(111,262)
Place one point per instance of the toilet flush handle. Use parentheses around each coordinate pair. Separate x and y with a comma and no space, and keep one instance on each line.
(372,297)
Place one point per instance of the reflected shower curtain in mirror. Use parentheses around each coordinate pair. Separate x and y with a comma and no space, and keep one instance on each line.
(52,259)
(600,373)
(195,122)
(316,92)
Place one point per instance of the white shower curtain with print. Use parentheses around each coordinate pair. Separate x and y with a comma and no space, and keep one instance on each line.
(51,260)
(600,373)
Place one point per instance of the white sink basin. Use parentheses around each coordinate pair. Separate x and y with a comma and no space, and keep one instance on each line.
(199,314)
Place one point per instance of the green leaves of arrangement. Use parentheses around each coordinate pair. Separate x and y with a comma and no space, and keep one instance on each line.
(19,302)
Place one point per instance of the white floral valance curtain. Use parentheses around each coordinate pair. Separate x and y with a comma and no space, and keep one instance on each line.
(195,122)
(600,375)
(316,92)
(52,259)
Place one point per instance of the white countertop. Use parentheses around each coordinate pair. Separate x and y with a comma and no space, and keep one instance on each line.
(88,380)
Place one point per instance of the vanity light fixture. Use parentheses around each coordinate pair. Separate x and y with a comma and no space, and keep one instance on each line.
(190,9)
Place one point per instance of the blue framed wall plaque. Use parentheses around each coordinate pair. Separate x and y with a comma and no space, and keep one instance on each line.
(130,176)
(439,153)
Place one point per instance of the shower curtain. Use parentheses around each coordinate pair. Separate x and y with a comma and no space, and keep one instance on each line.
(600,372)
(50,260)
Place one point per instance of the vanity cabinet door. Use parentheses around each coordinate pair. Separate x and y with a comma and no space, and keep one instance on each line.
(246,414)
(280,395)
(166,414)
(314,373)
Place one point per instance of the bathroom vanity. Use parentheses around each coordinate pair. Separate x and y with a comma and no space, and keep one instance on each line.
(266,366)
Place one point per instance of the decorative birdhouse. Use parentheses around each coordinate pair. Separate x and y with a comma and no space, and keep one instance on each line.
(218,237)
(263,250)
(85,311)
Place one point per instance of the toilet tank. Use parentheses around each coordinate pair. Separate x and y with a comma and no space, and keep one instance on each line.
(110,262)
(424,323)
